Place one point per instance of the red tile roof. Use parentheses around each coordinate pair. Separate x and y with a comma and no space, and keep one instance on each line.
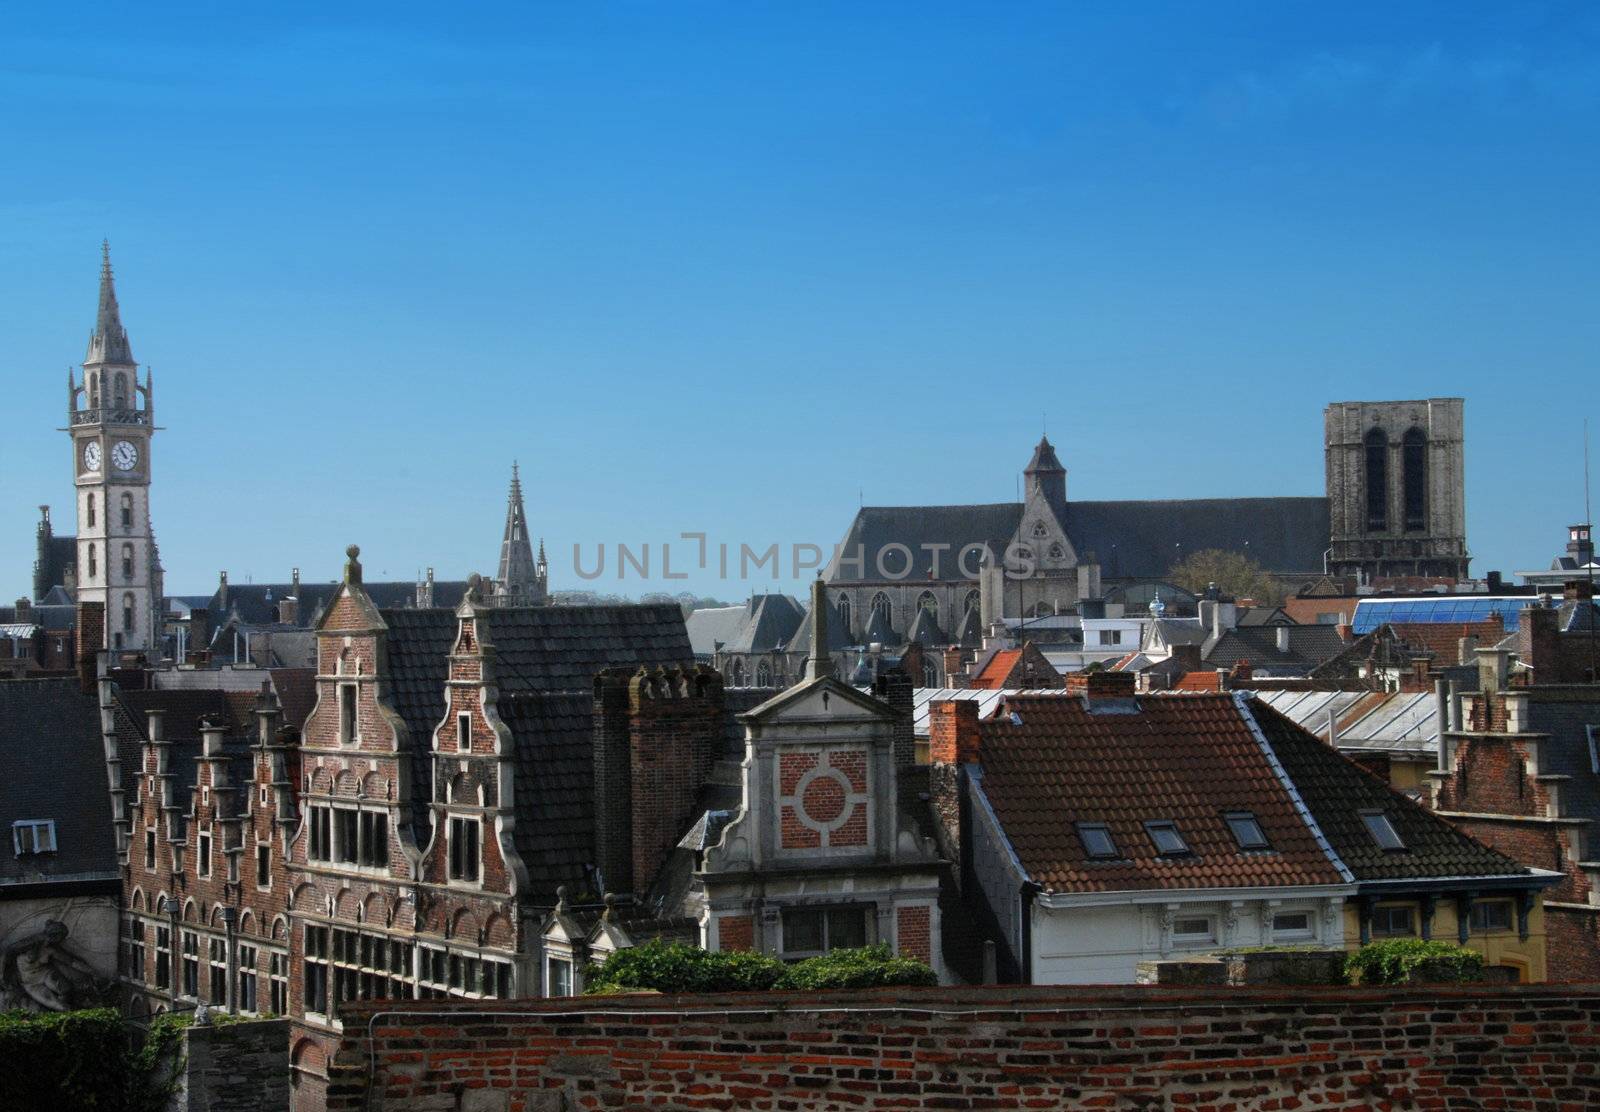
(1443,639)
(1187,759)
(1199,681)
(994,673)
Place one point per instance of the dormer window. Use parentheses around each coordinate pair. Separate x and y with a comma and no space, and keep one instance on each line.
(1382,831)
(1097,840)
(33,836)
(1168,842)
(1246,830)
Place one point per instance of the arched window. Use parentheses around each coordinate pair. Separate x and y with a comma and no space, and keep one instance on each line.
(1040,529)
(844,615)
(926,601)
(127,562)
(119,397)
(1377,480)
(94,391)
(736,673)
(880,605)
(91,511)
(93,571)
(763,674)
(127,613)
(127,510)
(930,674)
(1414,457)
(974,602)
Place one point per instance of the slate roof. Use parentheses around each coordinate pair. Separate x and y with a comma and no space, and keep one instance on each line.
(257,603)
(1309,646)
(554,785)
(970,633)
(185,708)
(838,636)
(1336,791)
(875,528)
(770,621)
(878,631)
(709,626)
(925,629)
(52,766)
(1183,758)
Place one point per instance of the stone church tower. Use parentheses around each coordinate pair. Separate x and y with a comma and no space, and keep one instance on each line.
(522,581)
(1396,488)
(110,418)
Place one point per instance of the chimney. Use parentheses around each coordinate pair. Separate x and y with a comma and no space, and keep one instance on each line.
(1441,716)
(1188,657)
(613,788)
(1102,685)
(24,610)
(199,635)
(675,734)
(1346,633)
(952,667)
(1539,643)
(895,688)
(1467,649)
(1283,639)
(222,591)
(1577,590)
(1493,582)
(953,734)
(91,639)
(1242,675)
(1493,665)
(69,579)
(289,610)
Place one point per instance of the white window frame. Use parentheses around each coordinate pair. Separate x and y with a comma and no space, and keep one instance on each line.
(1306,932)
(33,828)
(553,962)
(1191,938)
(476,879)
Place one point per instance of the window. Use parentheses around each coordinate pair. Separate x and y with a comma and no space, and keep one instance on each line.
(1192,929)
(191,964)
(1246,830)
(926,601)
(1490,915)
(463,732)
(1111,636)
(127,511)
(278,981)
(1393,920)
(347,714)
(202,856)
(1291,924)
(1377,480)
(880,606)
(133,929)
(818,930)
(217,952)
(264,865)
(464,852)
(369,967)
(1414,479)
(247,979)
(127,613)
(127,563)
(33,836)
(321,845)
(1382,830)
(736,676)
(90,508)
(316,971)
(374,832)
(92,570)
(163,957)
(1096,839)
(1168,842)
(558,977)
(844,615)
(346,841)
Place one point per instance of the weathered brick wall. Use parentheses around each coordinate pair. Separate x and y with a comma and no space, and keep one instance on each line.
(1530,1047)
(239,1067)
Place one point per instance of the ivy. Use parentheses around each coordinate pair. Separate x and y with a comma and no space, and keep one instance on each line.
(1399,961)
(679,968)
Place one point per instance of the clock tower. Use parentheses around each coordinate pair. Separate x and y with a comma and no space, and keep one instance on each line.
(110,418)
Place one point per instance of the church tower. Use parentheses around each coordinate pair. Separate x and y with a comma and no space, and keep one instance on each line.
(521,581)
(110,418)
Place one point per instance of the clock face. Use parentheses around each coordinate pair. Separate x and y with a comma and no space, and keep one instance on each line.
(124,455)
(91,455)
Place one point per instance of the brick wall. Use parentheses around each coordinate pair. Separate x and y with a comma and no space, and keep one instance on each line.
(674,734)
(1136,1047)
(238,1067)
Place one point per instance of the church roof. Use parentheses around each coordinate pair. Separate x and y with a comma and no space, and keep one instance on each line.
(257,603)
(879,631)
(838,637)
(970,633)
(770,621)
(108,343)
(1044,458)
(925,629)
(877,528)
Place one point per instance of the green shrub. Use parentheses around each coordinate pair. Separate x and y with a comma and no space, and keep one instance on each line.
(679,968)
(868,967)
(1395,961)
(63,1061)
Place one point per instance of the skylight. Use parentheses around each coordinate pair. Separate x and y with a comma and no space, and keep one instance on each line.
(1169,843)
(1246,830)
(1096,839)
(1382,830)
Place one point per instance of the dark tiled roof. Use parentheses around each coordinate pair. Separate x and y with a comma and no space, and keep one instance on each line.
(1044,458)
(418,644)
(770,621)
(257,603)
(52,766)
(838,636)
(1184,758)
(1142,540)
(925,629)
(554,786)
(1309,646)
(185,709)
(1336,791)
(875,528)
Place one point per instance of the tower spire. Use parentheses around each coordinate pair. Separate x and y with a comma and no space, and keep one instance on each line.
(518,582)
(108,343)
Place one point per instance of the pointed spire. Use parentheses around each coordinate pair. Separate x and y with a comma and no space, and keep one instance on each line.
(818,662)
(517,583)
(108,343)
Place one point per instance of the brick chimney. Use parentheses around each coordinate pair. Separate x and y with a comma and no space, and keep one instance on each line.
(91,639)
(675,733)
(1102,685)
(1539,643)
(613,788)
(953,734)
(24,610)
(289,610)
(895,687)
(199,651)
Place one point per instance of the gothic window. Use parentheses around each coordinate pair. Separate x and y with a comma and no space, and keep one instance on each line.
(94,391)
(1057,552)
(127,613)
(763,674)
(844,614)
(127,563)
(91,511)
(127,511)
(1414,458)
(1377,480)
(736,673)
(119,395)
(926,601)
(930,674)
(1040,529)
(880,605)
(92,570)
(974,601)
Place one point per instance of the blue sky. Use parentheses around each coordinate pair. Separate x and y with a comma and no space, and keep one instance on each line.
(730,267)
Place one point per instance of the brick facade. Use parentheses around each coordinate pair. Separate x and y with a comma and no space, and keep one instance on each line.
(1424,1048)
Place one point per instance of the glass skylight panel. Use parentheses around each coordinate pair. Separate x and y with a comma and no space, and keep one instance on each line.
(1382,830)
(1168,842)
(1096,839)
(1246,830)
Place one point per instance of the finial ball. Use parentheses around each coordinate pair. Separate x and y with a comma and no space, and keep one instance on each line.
(353,551)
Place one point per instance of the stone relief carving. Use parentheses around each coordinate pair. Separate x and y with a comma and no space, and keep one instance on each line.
(40,972)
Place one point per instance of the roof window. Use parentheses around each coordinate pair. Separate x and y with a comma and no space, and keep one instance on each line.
(1382,830)
(1246,830)
(33,836)
(1168,842)
(1096,839)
